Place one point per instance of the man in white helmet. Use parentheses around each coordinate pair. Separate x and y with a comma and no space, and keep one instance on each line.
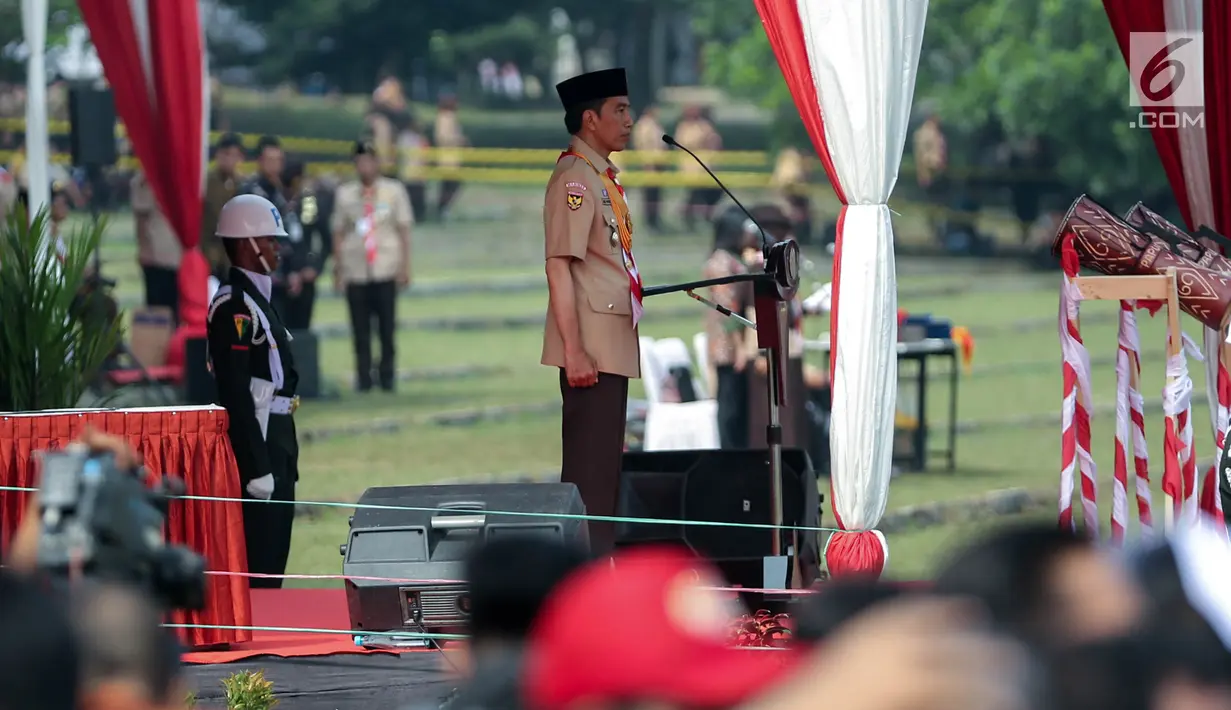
(250,353)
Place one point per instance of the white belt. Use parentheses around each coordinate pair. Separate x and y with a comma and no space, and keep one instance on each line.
(284,405)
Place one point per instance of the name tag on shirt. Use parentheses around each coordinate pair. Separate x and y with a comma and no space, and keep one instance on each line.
(362,226)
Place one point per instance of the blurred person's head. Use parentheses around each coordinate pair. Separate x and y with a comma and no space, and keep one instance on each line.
(647,628)
(774,220)
(1110,674)
(819,615)
(129,661)
(509,580)
(292,176)
(229,153)
(270,158)
(367,166)
(691,112)
(39,653)
(61,203)
(596,109)
(1045,585)
(732,233)
(447,102)
(1189,658)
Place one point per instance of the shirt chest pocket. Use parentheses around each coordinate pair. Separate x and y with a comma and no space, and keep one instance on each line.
(616,302)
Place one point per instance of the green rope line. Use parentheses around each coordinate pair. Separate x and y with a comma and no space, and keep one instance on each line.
(511,513)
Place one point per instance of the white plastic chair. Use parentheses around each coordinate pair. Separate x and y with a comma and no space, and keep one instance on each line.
(652,372)
(682,426)
(701,350)
(672,353)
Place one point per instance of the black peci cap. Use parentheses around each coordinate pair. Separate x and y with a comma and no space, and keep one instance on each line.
(364,148)
(594,86)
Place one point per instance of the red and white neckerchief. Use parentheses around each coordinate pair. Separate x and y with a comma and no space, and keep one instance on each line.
(623,227)
(369,222)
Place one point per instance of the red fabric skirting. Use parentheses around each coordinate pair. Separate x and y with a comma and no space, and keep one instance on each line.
(188,442)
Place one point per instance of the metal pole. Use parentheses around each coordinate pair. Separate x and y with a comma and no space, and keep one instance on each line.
(773,436)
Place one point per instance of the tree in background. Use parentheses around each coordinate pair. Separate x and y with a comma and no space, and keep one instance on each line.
(1048,69)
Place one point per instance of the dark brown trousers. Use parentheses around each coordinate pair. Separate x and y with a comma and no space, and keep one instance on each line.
(592,435)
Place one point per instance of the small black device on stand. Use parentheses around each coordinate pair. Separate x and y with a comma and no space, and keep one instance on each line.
(773,289)
(91,109)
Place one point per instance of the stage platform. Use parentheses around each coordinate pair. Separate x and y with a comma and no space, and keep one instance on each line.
(319,671)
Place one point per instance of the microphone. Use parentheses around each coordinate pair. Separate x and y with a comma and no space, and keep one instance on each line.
(765,243)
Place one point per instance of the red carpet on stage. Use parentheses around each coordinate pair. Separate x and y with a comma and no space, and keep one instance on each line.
(292,609)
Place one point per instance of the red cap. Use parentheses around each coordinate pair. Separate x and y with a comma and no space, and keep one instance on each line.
(648,627)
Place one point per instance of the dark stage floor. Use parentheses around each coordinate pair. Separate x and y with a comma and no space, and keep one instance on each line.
(319,671)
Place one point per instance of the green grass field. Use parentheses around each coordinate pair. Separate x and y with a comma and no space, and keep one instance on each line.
(496,237)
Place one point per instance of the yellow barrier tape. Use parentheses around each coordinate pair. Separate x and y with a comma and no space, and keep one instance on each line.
(502,156)
(493,176)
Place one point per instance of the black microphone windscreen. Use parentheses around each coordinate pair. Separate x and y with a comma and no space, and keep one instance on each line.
(668,139)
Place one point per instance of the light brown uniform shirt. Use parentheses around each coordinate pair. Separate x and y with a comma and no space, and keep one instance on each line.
(390,213)
(700,136)
(447,133)
(648,138)
(158,246)
(218,190)
(577,224)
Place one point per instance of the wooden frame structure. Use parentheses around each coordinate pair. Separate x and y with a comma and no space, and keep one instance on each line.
(1160,287)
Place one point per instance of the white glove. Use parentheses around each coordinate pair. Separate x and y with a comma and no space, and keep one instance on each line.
(262,488)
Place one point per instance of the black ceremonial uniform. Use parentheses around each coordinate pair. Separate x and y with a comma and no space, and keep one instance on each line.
(308,246)
(240,325)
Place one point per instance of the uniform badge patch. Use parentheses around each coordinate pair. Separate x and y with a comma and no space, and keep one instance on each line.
(243,327)
(575,199)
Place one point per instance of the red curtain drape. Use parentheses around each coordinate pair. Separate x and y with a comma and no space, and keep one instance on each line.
(154,58)
(189,443)
(1126,17)
(1216,19)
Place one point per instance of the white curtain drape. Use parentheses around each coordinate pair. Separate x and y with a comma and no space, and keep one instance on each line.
(34,28)
(863,59)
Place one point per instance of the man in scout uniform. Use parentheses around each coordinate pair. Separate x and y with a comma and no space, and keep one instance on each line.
(250,354)
(370,225)
(220,186)
(595,291)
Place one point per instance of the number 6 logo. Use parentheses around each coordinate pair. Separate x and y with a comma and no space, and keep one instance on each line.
(1159,63)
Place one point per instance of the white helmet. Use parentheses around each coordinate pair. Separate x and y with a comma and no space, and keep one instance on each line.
(245,216)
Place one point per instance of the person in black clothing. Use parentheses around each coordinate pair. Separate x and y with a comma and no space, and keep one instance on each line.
(268,183)
(307,246)
(250,354)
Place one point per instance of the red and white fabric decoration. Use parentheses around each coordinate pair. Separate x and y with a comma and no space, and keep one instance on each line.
(851,70)
(153,53)
(1179,472)
(1075,408)
(1130,433)
(1194,156)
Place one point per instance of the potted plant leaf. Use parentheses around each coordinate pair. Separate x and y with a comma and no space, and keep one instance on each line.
(58,326)
(249,690)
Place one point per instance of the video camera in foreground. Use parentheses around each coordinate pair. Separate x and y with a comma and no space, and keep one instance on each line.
(104,522)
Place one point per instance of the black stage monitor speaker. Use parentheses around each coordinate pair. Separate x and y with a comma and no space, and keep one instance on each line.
(730,486)
(91,114)
(403,568)
(306,347)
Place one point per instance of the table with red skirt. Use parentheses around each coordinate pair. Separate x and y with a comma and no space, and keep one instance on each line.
(187,442)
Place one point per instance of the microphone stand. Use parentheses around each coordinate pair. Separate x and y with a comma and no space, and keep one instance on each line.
(769,300)
(772,289)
